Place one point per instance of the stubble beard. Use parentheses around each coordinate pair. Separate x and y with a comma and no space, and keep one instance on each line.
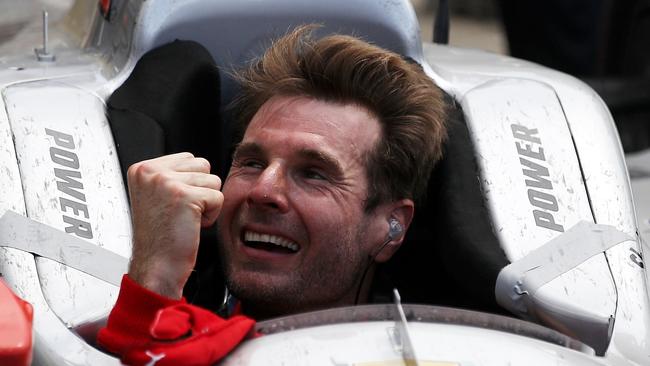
(328,283)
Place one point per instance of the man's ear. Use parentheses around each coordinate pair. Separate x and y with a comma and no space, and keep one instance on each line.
(395,213)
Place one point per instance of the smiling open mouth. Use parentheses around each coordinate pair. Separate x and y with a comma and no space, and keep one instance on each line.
(268,242)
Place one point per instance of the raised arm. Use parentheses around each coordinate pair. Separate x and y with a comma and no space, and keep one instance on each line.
(172,197)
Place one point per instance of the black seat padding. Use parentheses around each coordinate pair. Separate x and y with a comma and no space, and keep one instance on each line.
(171,103)
(450,255)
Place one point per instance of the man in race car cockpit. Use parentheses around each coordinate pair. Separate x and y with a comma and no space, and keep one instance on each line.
(339,139)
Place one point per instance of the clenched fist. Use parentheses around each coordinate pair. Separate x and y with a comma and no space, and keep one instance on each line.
(172,197)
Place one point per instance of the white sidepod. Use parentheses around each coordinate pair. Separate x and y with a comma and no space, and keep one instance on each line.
(533,186)
(549,156)
(71,182)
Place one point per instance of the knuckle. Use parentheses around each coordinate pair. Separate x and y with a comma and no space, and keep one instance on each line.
(137,171)
(203,163)
(134,168)
(132,171)
(175,193)
(216,181)
(142,168)
(215,196)
(166,182)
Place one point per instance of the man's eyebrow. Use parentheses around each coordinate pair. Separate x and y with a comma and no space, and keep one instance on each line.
(323,158)
(247,149)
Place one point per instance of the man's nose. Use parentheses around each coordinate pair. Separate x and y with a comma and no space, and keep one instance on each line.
(270,188)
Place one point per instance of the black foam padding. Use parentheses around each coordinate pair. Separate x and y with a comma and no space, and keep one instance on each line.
(450,255)
(170,103)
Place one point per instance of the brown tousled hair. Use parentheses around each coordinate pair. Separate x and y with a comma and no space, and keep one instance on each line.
(343,69)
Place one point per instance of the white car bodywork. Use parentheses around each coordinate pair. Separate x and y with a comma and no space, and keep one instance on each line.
(52,117)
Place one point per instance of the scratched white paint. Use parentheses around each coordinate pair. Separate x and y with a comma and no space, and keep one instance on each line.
(369,344)
(54,344)
(11,191)
(601,156)
(491,109)
(11,197)
(593,130)
(606,179)
(74,296)
(641,190)
(631,338)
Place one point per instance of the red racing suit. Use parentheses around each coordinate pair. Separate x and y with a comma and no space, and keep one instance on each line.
(147,328)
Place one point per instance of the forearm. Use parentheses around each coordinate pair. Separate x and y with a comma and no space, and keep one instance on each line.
(163,278)
(172,197)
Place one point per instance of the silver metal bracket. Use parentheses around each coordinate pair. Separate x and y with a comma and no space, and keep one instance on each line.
(43,54)
(402,335)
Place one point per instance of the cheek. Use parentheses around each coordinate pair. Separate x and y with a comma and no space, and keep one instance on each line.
(328,222)
(234,191)
(232,197)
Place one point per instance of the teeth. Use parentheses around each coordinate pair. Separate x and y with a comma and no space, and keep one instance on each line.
(272,239)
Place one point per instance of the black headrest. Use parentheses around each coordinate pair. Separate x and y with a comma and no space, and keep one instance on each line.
(450,255)
(169,103)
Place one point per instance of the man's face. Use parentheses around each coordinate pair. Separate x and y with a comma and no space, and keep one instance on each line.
(294,234)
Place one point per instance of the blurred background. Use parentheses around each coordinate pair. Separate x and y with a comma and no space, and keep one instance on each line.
(606,43)
(474,24)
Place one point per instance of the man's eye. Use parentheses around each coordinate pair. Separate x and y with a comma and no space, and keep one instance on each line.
(247,163)
(314,174)
(252,164)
